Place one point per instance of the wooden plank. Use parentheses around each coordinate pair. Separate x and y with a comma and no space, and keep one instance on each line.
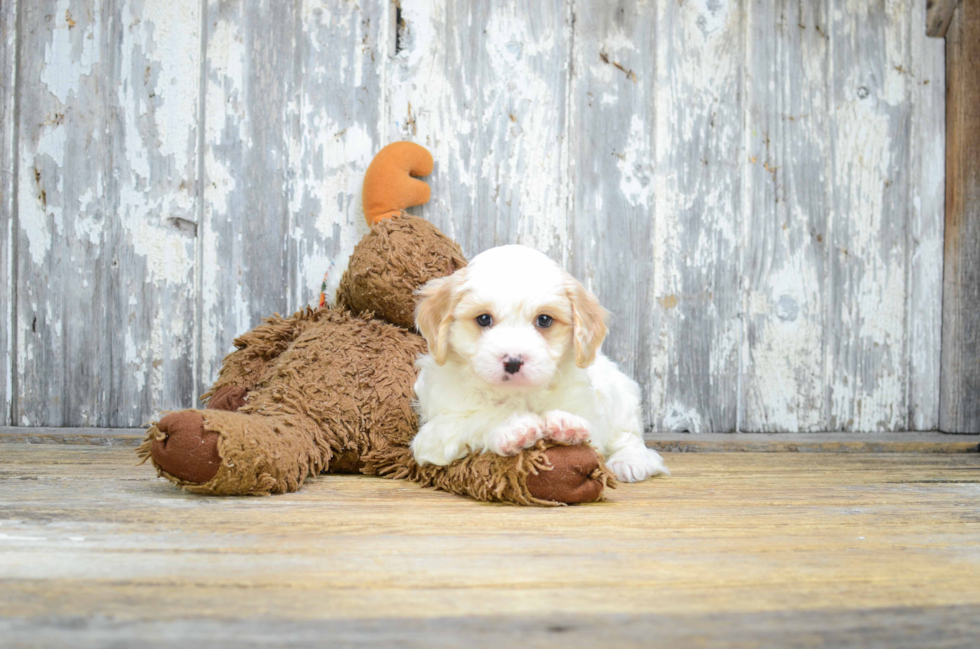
(959,409)
(334,126)
(107,211)
(245,222)
(793,137)
(867,363)
(483,86)
(284,150)
(130,437)
(789,200)
(907,442)
(939,13)
(846,535)
(904,442)
(926,165)
(8,156)
(150,239)
(698,182)
(897,627)
(63,266)
(610,131)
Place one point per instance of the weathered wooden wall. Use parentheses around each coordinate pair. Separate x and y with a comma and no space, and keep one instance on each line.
(754,189)
(959,407)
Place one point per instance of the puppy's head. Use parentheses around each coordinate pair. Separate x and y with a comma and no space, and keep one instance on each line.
(513,316)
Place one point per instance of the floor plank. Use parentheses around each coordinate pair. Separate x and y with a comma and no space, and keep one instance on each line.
(906,442)
(837,542)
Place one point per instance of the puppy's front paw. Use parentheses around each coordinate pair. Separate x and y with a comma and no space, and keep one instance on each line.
(516,434)
(565,427)
(634,464)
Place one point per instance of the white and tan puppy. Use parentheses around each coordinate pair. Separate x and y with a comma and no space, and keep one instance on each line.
(514,358)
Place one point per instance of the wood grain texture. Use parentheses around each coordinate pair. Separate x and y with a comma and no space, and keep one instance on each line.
(611,145)
(107,211)
(895,628)
(249,54)
(89,537)
(867,366)
(65,220)
(903,442)
(789,194)
(939,13)
(152,209)
(906,442)
(8,155)
(960,389)
(484,87)
(805,295)
(335,125)
(926,169)
(90,436)
(292,118)
(698,182)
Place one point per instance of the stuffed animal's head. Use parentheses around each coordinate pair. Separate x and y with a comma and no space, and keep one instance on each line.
(398,256)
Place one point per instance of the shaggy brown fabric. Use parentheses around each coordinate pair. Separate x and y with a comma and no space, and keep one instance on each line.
(229,397)
(332,390)
(399,255)
(247,366)
(495,478)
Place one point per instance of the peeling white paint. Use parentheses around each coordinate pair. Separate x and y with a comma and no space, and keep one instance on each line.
(636,182)
(71,54)
(734,305)
(33,216)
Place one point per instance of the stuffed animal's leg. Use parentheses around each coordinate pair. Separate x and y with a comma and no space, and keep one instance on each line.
(249,363)
(233,454)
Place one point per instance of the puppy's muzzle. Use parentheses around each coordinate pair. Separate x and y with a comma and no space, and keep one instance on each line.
(512,364)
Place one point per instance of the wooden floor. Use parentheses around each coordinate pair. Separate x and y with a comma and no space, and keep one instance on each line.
(734,549)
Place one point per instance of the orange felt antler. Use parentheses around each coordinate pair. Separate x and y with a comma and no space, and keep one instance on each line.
(389,186)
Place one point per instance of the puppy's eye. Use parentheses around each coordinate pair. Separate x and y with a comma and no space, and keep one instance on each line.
(484,320)
(544,321)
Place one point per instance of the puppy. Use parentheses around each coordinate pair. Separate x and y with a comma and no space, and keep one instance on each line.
(514,358)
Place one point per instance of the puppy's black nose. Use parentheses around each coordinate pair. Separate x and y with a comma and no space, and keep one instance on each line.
(513,365)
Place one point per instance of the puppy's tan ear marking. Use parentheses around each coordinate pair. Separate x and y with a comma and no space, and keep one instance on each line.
(588,322)
(434,313)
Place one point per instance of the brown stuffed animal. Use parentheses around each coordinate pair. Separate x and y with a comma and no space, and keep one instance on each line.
(331,389)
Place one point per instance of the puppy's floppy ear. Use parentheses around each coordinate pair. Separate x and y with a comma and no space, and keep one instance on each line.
(588,322)
(434,313)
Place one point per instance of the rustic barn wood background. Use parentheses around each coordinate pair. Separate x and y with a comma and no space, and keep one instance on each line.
(754,189)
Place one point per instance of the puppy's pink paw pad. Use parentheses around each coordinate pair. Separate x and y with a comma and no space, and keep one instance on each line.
(565,427)
(517,434)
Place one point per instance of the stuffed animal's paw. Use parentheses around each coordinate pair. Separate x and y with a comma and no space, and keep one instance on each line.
(574,477)
(565,427)
(186,450)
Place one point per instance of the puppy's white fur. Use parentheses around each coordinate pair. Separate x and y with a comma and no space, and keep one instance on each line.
(564,390)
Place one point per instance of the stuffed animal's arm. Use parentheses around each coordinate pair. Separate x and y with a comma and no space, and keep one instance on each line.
(543,474)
